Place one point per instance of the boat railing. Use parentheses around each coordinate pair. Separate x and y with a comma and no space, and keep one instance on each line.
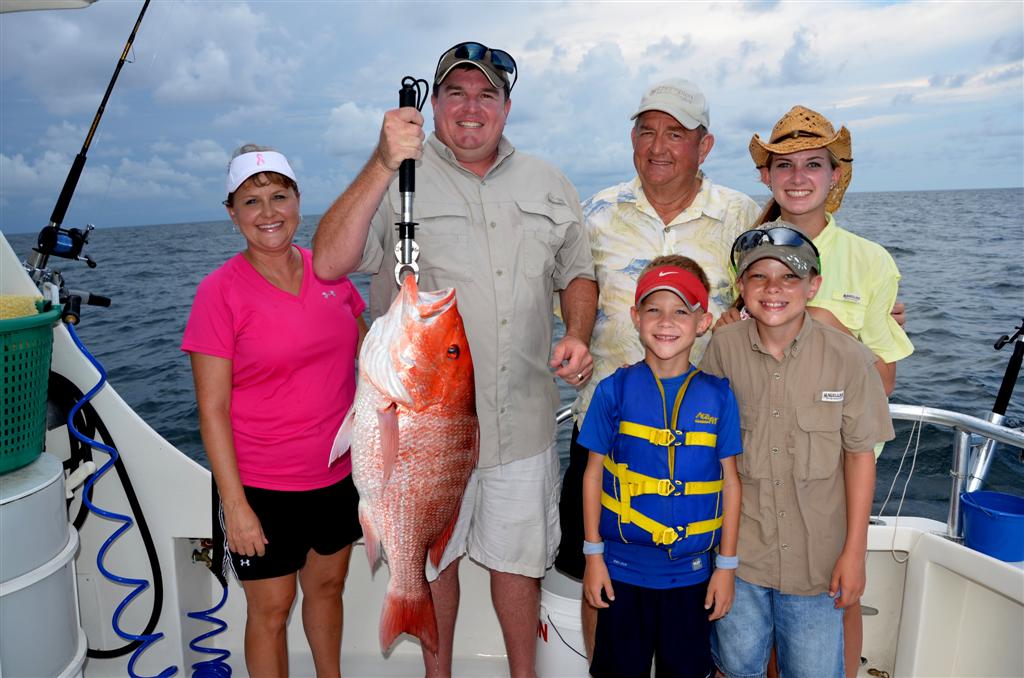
(964,426)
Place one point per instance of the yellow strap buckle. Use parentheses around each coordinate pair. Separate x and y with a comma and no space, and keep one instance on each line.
(666,487)
(667,537)
(662,437)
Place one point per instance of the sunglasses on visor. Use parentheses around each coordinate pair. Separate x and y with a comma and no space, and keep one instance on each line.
(475,51)
(781,236)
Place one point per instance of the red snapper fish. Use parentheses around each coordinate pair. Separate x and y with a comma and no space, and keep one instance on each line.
(414,440)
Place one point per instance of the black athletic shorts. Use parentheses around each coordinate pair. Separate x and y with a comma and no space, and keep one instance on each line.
(325,520)
(669,625)
(570,560)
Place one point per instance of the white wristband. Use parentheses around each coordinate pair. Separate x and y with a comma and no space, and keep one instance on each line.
(593,548)
(727,562)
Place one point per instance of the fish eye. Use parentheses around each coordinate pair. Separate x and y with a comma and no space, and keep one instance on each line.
(453,352)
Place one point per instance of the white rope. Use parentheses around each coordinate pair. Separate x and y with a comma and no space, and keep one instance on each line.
(915,428)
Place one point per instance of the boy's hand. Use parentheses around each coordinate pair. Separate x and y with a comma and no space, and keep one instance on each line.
(729,316)
(721,590)
(848,579)
(596,580)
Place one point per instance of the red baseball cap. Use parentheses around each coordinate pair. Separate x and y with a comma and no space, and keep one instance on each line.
(679,281)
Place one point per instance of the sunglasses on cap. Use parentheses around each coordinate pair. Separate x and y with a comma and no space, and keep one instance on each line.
(475,51)
(780,236)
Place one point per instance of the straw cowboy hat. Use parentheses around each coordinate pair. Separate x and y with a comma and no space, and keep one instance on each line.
(802,129)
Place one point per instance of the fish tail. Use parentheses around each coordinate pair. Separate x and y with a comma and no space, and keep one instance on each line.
(412,615)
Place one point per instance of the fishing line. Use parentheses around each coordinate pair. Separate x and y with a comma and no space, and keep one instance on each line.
(917,427)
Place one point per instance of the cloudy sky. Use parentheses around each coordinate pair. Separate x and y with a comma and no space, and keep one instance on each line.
(933,93)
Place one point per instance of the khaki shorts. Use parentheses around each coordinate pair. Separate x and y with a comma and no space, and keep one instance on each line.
(509,517)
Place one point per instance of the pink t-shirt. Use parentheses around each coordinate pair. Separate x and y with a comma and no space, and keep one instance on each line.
(292,366)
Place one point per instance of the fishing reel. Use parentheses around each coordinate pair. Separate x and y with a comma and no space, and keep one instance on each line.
(54,241)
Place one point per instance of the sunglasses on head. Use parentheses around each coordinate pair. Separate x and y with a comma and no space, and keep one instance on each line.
(475,51)
(781,236)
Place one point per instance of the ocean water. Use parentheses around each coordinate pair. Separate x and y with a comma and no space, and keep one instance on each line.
(961,254)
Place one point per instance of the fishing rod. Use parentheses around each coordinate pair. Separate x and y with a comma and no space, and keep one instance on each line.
(982,459)
(413,93)
(68,243)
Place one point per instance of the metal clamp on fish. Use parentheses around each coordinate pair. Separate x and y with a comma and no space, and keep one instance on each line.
(413,93)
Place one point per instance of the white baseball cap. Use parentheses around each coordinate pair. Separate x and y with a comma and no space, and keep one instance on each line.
(248,164)
(681,99)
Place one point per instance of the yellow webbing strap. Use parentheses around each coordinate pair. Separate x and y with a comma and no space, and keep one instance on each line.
(662,535)
(634,484)
(663,437)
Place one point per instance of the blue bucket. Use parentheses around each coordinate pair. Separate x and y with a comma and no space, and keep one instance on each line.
(994,524)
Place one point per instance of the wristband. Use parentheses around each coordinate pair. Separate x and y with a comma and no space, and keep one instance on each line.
(727,562)
(593,548)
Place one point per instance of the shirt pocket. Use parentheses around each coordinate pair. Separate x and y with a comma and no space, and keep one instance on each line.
(444,240)
(850,308)
(543,225)
(817,445)
(754,462)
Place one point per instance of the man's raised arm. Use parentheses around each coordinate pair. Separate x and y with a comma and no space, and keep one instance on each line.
(341,234)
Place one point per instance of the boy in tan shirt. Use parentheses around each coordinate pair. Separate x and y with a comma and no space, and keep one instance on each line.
(812,408)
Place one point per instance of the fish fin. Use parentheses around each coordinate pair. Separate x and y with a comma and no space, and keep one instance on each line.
(387,422)
(441,543)
(412,615)
(343,440)
(438,547)
(369,538)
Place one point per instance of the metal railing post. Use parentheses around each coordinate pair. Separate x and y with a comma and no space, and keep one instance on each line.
(961,453)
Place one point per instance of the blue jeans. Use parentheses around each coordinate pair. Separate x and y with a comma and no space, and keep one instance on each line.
(806,630)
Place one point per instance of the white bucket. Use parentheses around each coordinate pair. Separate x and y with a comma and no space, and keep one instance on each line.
(560,649)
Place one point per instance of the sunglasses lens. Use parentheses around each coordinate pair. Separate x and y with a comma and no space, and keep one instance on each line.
(503,60)
(779,235)
(470,50)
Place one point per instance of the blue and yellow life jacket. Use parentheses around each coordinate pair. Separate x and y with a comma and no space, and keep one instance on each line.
(662,482)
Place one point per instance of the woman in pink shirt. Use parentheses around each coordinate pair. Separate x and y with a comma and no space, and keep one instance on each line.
(273,353)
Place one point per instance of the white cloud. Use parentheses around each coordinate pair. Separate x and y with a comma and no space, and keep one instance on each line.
(314,78)
(352,130)
(203,155)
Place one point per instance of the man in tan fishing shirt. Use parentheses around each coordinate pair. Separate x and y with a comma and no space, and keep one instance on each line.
(505,229)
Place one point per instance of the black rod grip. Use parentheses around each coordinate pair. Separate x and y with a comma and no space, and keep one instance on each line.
(61,208)
(407,96)
(1009,378)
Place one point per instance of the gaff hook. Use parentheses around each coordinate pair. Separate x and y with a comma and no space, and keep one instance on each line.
(413,93)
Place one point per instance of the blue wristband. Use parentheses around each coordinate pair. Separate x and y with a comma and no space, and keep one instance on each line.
(727,562)
(593,548)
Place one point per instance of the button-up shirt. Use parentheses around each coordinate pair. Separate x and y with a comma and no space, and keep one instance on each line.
(859,285)
(799,416)
(506,242)
(626,233)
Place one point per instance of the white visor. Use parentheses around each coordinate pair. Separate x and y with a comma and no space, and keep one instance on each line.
(248,164)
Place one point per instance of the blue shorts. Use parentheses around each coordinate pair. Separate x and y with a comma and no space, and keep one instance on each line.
(807,632)
(669,626)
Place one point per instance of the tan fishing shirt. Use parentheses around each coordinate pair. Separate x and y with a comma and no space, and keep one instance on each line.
(506,242)
(798,415)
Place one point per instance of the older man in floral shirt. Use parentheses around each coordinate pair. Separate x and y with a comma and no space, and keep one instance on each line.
(670,207)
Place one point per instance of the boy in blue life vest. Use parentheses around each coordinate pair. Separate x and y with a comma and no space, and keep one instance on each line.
(812,408)
(661,490)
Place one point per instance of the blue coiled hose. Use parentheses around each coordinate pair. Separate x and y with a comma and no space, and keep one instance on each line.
(126,522)
(217,666)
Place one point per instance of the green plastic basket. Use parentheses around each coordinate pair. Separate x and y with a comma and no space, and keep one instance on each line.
(26,345)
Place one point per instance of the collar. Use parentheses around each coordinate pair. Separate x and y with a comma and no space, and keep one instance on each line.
(828,234)
(794,347)
(505,149)
(707,202)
